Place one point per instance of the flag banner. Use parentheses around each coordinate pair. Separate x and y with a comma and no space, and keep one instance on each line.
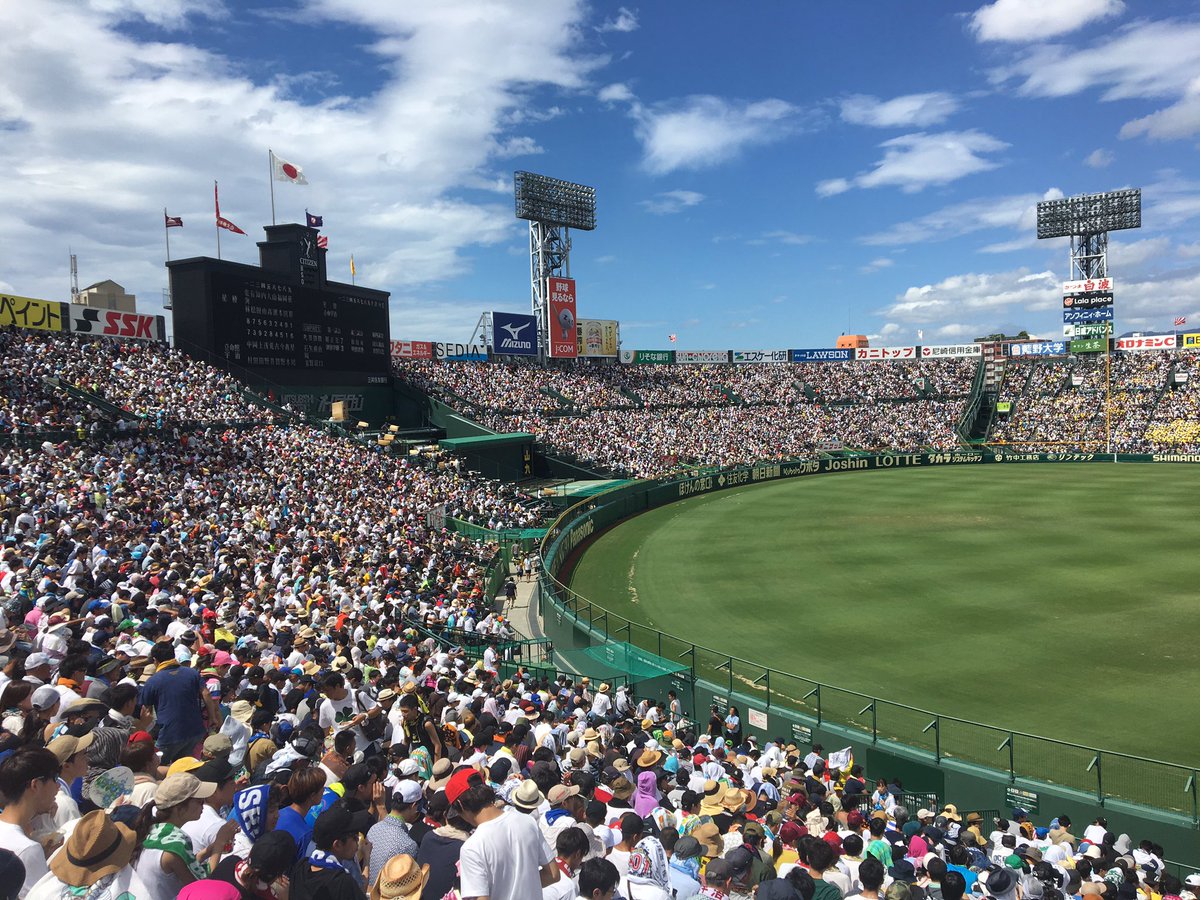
(313,221)
(672,338)
(286,171)
(173,221)
(1181,320)
(322,242)
(352,264)
(223,222)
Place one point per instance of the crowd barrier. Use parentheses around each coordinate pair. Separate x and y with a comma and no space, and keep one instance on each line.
(977,759)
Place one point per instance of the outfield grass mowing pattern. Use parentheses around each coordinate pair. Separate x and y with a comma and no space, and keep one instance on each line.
(1054,599)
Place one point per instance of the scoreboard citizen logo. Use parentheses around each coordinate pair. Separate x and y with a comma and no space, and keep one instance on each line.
(113,324)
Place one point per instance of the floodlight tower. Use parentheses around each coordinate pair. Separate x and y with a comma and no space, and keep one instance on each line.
(1087,219)
(553,208)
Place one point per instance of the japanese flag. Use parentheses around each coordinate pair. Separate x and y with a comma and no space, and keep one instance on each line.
(286,171)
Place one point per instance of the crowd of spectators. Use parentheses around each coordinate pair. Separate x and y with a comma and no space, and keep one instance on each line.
(147,379)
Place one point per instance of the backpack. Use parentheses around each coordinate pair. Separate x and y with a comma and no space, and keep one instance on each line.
(372,729)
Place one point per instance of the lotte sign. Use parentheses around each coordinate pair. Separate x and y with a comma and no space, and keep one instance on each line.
(563,339)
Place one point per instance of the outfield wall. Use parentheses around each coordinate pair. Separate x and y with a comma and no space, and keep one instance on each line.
(972,764)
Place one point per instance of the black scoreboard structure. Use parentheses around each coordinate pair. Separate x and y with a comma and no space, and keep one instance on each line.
(282,323)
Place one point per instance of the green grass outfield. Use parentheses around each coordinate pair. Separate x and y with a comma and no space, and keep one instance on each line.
(1055,599)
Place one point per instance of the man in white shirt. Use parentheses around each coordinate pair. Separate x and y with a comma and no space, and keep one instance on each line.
(602,704)
(29,779)
(205,830)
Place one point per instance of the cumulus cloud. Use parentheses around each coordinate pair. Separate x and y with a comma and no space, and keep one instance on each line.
(908,111)
(702,131)
(670,202)
(913,162)
(154,119)
(614,93)
(1180,120)
(880,262)
(1100,158)
(1015,211)
(625,20)
(1036,20)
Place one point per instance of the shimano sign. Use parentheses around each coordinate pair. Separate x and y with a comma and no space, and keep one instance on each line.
(514,334)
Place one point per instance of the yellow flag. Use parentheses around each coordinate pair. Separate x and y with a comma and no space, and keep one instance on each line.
(352,264)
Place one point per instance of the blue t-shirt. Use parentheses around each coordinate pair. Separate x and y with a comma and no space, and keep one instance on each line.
(174,692)
(296,825)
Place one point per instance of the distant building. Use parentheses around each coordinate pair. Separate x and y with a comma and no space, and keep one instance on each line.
(853,341)
(107,295)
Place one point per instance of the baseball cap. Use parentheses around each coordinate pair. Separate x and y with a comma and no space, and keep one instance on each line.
(687,847)
(45,697)
(561,792)
(65,746)
(183,764)
(407,792)
(176,789)
(33,660)
(216,744)
(460,781)
(337,822)
(408,767)
(214,771)
(718,868)
(738,858)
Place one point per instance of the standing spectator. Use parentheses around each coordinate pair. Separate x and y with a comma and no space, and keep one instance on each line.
(390,835)
(324,872)
(29,783)
(177,695)
(506,855)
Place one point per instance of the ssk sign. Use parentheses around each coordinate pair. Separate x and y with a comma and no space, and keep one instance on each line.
(110,323)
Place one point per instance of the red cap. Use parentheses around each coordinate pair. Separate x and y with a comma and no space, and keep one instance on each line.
(461,780)
(138,736)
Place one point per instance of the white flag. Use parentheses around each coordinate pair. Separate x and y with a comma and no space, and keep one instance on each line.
(286,171)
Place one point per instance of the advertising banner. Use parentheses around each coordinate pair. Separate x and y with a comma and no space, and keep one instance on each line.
(1072,316)
(110,323)
(1089,345)
(1003,406)
(1095,329)
(888,353)
(1191,340)
(701,356)
(843,355)
(645,357)
(760,356)
(1087,301)
(514,334)
(1147,342)
(563,340)
(940,351)
(412,349)
(1038,348)
(26,312)
(598,337)
(1089,285)
(450,352)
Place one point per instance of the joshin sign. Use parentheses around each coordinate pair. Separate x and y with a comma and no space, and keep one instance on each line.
(562,318)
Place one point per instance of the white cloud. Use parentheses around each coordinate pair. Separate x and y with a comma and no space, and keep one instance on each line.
(1148,59)
(1016,211)
(614,93)
(1126,255)
(790,238)
(1035,20)
(626,20)
(908,111)
(913,162)
(518,146)
(163,13)
(880,262)
(670,202)
(702,131)
(1180,120)
(1189,251)
(990,294)
(1100,158)
(1170,200)
(153,120)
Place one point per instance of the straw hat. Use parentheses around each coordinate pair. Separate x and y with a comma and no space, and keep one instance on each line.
(709,837)
(648,759)
(622,788)
(97,847)
(734,799)
(400,879)
(527,796)
(710,803)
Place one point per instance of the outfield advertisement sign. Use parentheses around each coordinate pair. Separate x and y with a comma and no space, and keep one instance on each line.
(844,354)
(941,351)
(1087,301)
(1038,348)
(761,356)
(412,349)
(1089,345)
(111,323)
(452,352)
(701,356)
(514,334)
(28,312)
(1191,340)
(1072,316)
(645,357)
(885,353)
(598,337)
(561,300)
(1089,285)
(1147,342)
(1095,329)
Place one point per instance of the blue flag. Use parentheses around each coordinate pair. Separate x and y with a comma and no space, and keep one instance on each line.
(313,221)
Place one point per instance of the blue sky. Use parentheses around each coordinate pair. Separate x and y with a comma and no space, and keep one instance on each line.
(768,175)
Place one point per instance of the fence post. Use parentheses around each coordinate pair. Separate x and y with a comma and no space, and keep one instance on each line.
(660,643)
(874,719)
(1095,764)
(816,690)
(1012,769)
(936,725)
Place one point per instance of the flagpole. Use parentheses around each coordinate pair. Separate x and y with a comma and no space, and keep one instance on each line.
(217,218)
(271,180)
(167,234)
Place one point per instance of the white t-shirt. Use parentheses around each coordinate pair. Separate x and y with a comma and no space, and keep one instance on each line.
(503,858)
(335,713)
(30,852)
(124,885)
(203,831)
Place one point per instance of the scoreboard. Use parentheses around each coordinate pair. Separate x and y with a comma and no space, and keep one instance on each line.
(264,322)
(282,321)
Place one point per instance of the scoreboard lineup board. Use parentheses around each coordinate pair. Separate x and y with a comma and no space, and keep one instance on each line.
(259,322)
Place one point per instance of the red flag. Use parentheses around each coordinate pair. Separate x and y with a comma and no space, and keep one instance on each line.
(1181,320)
(173,221)
(223,222)
(671,338)
(322,242)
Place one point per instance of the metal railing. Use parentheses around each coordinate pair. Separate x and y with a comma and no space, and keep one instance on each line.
(1095,771)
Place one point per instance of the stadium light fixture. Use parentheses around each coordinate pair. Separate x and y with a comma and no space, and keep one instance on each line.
(552,201)
(1088,214)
